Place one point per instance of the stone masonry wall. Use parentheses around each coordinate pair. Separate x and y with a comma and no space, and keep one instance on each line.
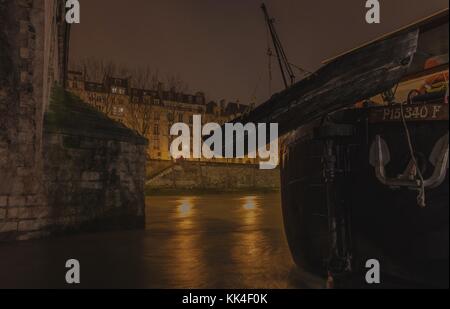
(155,167)
(94,168)
(21,116)
(217,177)
(94,183)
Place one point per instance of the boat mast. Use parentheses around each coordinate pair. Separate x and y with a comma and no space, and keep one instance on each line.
(285,66)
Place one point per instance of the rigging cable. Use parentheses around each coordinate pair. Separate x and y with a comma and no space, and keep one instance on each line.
(299,68)
(285,68)
(421,199)
(269,58)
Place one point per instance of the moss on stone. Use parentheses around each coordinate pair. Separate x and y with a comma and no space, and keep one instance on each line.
(68,114)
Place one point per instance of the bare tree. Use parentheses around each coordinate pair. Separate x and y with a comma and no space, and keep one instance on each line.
(139,111)
(109,69)
(96,70)
(99,70)
(144,78)
(139,117)
(176,84)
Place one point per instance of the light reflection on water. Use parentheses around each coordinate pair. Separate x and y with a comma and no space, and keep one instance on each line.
(249,202)
(185,207)
(225,241)
(249,248)
(211,241)
(187,259)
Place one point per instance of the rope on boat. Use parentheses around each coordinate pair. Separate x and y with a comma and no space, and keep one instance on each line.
(421,200)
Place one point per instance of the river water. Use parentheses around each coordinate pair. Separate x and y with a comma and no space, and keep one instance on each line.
(207,241)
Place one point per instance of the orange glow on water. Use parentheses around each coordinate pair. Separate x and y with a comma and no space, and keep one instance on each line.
(249,202)
(185,207)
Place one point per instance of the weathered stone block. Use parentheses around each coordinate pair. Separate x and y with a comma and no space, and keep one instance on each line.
(13,213)
(25,4)
(33,212)
(34,200)
(3,201)
(24,77)
(17,187)
(24,53)
(24,172)
(2,213)
(16,201)
(90,176)
(53,139)
(8,227)
(32,225)
(24,26)
(92,185)
(64,175)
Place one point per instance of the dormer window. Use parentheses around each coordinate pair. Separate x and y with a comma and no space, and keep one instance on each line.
(147,100)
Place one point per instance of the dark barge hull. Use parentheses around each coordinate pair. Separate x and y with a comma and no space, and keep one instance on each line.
(349,190)
(349,185)
(411,243)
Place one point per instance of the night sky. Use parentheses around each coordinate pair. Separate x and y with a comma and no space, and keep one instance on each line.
(219,46)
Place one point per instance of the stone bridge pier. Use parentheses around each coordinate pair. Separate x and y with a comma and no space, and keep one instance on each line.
(33,58)
(32,43)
